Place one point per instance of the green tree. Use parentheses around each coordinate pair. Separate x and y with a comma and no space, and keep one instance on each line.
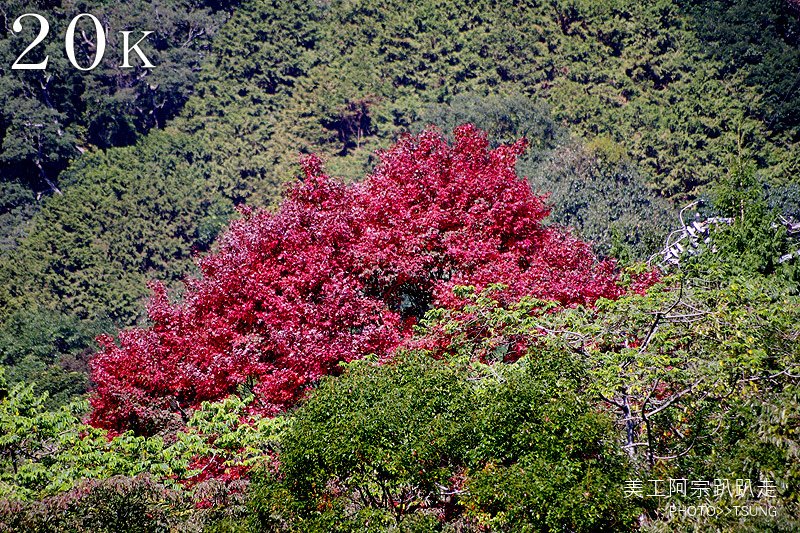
(48,116)
(595,189)
(50,350)
(422,443)
(129,215)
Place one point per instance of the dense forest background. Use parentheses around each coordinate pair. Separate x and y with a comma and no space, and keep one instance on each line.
(114,178)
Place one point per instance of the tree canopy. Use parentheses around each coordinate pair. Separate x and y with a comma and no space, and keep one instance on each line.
(341,272)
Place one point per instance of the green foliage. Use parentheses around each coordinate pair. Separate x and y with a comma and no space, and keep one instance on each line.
(16,208)
(26,431)
(754,241)
(784,199)
(48,350)
(700,374)
(129,215)
(47,452)
(504,118)
(386,437)
(757,439)
(51,117)
(550,459)
(697,374)
(425,441)
(750,227)
(239,113)
(114,505)
(595,189)
(760,40)
(48,117)
(224,430)
(58,474)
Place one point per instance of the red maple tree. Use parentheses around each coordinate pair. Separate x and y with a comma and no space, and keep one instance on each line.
(340,272)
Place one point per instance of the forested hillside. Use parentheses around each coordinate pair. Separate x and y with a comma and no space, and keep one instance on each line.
(117,178)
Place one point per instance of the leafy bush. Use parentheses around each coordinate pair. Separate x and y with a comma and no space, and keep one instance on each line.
(113,505)
(423,441)
(755,240)
(377,446)
(44,452)
(547,460)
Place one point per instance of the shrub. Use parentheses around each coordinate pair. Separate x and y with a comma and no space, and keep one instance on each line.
(428,444)
(119,504)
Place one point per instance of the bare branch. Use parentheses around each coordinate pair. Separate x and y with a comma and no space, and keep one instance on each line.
(675,397)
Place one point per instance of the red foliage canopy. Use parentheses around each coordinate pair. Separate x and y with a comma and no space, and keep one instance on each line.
(340,272)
